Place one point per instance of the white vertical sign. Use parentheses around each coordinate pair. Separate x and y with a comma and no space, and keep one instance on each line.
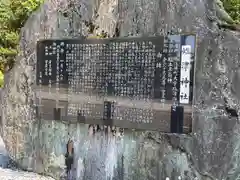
(185,74)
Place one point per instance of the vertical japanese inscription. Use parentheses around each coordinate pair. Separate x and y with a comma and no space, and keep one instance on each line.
(172,71)
(175,80)
(164,69)
(48,64)
(185,74)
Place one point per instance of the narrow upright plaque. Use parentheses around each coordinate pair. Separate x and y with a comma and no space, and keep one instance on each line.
(108,112)
(57,113)
(81,117)
(185,74)
(177,118)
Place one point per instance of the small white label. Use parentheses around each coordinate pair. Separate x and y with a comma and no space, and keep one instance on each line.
(185,74)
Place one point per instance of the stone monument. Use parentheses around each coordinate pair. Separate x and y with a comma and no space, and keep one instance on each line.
(210,152)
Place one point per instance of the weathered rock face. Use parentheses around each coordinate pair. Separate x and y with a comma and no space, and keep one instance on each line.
(211,152)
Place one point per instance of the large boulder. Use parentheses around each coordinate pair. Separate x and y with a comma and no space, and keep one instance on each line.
(210,152)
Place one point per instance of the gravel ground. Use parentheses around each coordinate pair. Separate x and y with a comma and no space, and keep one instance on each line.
(8,172)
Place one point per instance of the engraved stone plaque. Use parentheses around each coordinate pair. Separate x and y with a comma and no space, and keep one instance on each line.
(124,82)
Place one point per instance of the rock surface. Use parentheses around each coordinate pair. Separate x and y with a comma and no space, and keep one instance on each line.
(210,152)
(9,172)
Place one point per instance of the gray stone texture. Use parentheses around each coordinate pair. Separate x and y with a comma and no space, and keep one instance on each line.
(212,151)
